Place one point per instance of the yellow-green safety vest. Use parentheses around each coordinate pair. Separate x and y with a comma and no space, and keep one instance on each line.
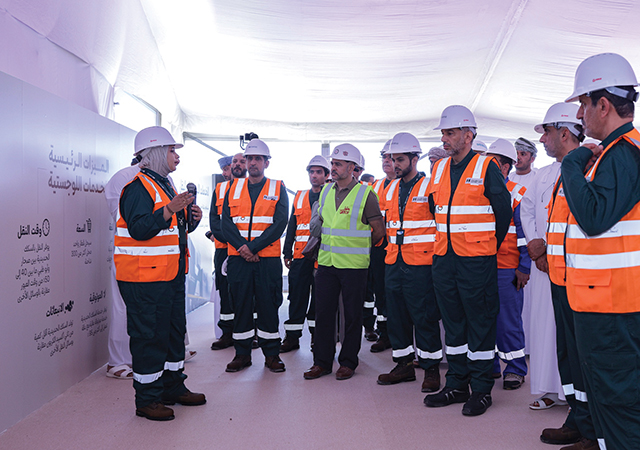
(346,241)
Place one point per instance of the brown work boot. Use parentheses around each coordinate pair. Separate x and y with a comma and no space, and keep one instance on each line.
(316,372)
(344,373)
(289,343)
(431,381)
(403,371)
(370,334)
(155,411)
(562,435)
(380,345)
(225,341)
(583,444)
(239,362)
(187,399)
(274,363)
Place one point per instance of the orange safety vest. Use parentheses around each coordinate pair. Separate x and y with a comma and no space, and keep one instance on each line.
(603,271)
(379,189)
(558,211)
(220,192)
(156,259)
(253,225)
(468,221)
(302,211)
(418,224)
(508,253)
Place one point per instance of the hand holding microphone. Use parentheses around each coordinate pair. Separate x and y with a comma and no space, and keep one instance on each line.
(191,220)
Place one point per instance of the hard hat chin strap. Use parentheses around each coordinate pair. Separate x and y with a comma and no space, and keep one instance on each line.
(631,95)
(572,127)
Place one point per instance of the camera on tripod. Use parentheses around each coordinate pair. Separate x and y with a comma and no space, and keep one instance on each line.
(246,138)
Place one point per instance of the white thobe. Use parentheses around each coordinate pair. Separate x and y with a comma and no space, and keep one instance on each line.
(118,338)
(543,362)
(526,181)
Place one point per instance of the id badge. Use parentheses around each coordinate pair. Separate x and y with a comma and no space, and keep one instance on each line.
(399,237)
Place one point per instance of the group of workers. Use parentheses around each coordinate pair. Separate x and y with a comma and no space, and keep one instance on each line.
(452,246)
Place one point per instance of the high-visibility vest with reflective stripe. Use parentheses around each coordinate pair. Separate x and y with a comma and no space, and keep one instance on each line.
(220,192)
(253,225)
(302,211)
(346,241)
(379,189)
(418,224)
(469,220)
(156,259)
(508,253)
(558,213)
(603,271)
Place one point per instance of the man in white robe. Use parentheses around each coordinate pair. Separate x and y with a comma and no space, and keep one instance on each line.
(525,175)
(544,377)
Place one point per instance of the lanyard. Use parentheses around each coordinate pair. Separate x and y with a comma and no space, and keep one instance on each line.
(160,182)
(170,192)
(403,205)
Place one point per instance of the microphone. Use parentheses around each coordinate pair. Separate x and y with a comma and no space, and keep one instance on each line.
(191,188)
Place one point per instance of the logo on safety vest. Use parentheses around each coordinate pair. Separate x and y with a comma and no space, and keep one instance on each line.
(270,197)
(420,199)
(345,210)
(474,181)
(561,192)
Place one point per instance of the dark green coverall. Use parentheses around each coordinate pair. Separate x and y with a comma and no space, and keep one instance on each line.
(260,280)
(608,344)
(467,292)
(156,320)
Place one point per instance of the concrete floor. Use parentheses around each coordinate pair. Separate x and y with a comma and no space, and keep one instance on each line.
(258,409)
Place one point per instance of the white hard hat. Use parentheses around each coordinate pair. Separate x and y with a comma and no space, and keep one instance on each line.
(320,161)
(563,115)
(153,137)
(606,70)
(456,116)
(504,148)
(346,152)
(361,164)
(386,147)
(404,143)
(479,146)
(257,147)
(559,113)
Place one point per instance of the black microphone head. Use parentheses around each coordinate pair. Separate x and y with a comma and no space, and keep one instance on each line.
(191,188)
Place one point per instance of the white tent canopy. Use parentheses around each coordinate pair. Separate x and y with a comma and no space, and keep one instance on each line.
(325,70)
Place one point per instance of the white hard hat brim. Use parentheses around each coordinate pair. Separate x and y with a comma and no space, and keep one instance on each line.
(176,145)
(574,97)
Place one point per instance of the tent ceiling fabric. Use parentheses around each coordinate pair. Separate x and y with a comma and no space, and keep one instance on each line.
(334,69)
